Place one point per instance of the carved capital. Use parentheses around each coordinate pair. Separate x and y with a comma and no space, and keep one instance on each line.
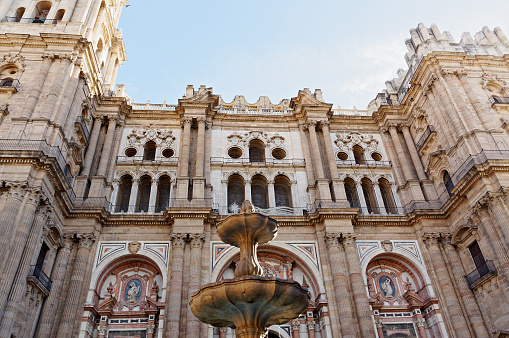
(186,120)
(348,240)
(331,239)
(378,322)
(201,120)
(86,241)
(446,240)
(101,330)
(295,325)
(178,241)
(197,241)
(151,328)
(311,124)
(16,191)
(430,239)
(68,242)
(419,322)
(311,325)
(111,119)
(223,329)
(34,197)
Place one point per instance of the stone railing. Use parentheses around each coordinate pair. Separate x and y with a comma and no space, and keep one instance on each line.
(352,112)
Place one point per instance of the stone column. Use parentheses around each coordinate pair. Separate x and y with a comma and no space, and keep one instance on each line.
(184,149)
(247,190)
(496,206)
(315,150)
(200,148)
(222,332)
(10,212)
(134,196)
(396,166)
(445,284)
(50,306)
(337,264)
(307,156)
(358,287)
(89,157)
(481,109)
(102,331)
(72,302)
(379,199)
(36,88)
(360,196)
(10,265)
(469,301)
(272,194)
(15,299)
(469,120)
(183,164)
(113,197)
(337,184)
(193,324)
(311,329)
(444,124)
(443,95)
(419,323)
(224,195)
(174,288)
(379,327)
(114,151)
(108,143)
(69,93)
(153,196)
(295,328)
(54,91)
(395,195)
(405,166)
(416,160)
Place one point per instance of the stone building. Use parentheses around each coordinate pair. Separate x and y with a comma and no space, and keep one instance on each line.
(395,217)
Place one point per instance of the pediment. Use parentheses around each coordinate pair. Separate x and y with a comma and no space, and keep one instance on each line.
(305,98)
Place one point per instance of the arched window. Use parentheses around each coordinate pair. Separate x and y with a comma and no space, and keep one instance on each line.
(351,192)
(259,192)
(41,11)
(19,13)
(236,193)
(256,151)
(124,193)
(144,193)
(163,193)
(385,190)
(283,191)
(149,152)
(369,195)
(358,154)
(448,182)
(60,14)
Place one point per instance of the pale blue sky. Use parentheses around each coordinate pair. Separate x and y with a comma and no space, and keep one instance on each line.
(274,48)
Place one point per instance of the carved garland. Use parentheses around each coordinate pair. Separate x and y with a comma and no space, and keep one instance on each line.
(162,137)
(346,142)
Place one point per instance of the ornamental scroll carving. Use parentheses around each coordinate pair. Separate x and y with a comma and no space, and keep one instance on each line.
(347,141)
(162,137)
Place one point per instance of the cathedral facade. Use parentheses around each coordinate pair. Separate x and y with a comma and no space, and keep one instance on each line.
(394,217)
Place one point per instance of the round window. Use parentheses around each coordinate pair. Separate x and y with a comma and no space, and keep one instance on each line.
(235,152)
(278,154)
(168,152)
(342,156)
(376,156)
(130,152)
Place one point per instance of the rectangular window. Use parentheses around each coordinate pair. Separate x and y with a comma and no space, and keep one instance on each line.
(42,255)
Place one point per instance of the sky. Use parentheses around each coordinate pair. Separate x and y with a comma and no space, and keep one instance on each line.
(275,48)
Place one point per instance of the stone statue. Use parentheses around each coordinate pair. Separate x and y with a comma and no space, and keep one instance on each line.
(133,292)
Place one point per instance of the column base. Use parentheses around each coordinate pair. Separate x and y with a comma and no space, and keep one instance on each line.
(340,194)
(429,190)
(323,189)
(98,187)
(199,188)
(182,188)
(80,186)
(412,191)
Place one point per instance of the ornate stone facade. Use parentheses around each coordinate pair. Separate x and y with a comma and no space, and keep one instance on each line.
(395,217)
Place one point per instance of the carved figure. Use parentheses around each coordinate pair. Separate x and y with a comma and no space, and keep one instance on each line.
(132,293)
(387,288)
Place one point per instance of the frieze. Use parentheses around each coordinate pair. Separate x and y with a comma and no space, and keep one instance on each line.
(347,141)
(161,137)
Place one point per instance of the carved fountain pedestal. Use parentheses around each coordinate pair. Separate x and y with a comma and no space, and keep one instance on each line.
(249,302)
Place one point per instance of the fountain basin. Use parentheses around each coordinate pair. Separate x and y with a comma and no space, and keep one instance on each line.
(250,304)
(246,231)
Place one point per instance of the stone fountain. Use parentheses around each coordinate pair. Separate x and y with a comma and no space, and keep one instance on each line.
(249,302)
